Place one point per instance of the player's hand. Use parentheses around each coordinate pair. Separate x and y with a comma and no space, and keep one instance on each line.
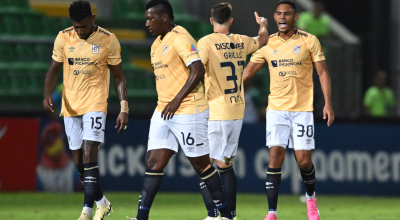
(123,120)
(169,110)
(48,103)
(328,111)
(261,20)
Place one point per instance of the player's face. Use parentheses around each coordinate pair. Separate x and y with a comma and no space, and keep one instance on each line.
(84,27)
(285,18)
(154,21)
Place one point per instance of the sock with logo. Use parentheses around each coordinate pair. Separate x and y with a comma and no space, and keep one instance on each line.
(309,180)
(151,185)
(208,201)
(272,185)
(213,182)
(91,185)
(229,184)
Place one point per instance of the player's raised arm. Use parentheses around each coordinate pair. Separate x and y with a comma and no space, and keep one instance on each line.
(263,32)
(325,80)
(250,70)
(120,88)
(49,84)
(197,72)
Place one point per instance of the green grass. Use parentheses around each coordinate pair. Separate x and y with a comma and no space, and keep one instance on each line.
(186,206)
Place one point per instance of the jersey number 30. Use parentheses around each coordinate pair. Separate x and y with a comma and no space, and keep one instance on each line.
(233,77)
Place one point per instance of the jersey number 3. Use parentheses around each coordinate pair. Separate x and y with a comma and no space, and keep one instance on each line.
(233,77)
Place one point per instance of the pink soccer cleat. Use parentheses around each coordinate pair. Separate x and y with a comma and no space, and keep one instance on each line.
(312,207)
(270,216)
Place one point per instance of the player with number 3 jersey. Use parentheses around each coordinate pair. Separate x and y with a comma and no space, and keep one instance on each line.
(224,56)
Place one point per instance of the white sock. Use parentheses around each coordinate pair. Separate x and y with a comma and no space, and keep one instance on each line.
(102,202)
(274,212)
(87,210)
(310,197)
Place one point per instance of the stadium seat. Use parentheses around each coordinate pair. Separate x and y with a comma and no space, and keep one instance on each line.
(7,52)
(20,3)
(25,52)
(43,52)
(31,24)
(180,12)
(12,24)
(36,81)
(129,9)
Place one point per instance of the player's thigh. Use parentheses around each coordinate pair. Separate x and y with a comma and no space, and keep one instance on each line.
(160,135)
(191,131)
(278,128)
(303,131)
(224,139)
(74,131)
(94,124)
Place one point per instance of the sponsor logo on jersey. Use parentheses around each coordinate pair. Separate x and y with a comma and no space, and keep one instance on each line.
(289,73)
(159,65)
(80,61)
(308,141)
(152,54)
(288,62)
(274,63)
(164,51)
(225,46)
(71,49)
(274,52)
(191,48)
(159,77)
(95,48)
(77,72)
(296,49)
(282,73)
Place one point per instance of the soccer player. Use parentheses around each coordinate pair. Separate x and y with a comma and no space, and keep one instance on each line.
(224,55)
(88,53)
(291,54)
(180,118)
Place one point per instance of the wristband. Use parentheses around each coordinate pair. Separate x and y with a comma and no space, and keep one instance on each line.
(124,106)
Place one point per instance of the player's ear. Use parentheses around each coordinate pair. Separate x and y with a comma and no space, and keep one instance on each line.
(275,17)
(230,22)
(93,18)
(296,16)
(211,21)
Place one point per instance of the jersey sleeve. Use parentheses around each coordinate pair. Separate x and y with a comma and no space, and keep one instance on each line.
(368,97)
(251,44)
(316,50)
(114,54)
(204,50)
(58,50)
(258,57)
(185,47)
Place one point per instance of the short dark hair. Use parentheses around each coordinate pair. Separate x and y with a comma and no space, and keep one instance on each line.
(80,10)
(221,12)
(288,2)
(165,7)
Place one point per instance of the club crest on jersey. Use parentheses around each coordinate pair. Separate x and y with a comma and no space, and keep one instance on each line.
(95,48)
(296,49)
(164,51)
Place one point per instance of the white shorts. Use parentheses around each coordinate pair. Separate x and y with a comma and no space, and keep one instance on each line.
(89,126)
(224,139)
(295,129)
(188,131)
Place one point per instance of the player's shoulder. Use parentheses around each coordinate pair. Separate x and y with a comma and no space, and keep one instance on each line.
(306,35)
(103,31)
(180,31)
(67,31)
(206,38)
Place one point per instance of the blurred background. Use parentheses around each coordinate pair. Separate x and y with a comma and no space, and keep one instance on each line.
(354,156)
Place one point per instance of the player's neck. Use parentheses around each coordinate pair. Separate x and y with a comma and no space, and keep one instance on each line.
(222,29)
(288,35)
(169,29)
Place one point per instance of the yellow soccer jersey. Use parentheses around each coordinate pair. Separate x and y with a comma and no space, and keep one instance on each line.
(224,57)
(170,58)
(291,69)
(86,72)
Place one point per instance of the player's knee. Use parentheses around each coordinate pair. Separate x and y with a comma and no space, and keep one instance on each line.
(223,164)
(277,155)
(304,163)
(152,164)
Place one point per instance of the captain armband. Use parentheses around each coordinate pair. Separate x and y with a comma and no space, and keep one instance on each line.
(124,106)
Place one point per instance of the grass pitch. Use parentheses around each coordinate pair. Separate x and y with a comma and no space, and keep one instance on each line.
(189,206)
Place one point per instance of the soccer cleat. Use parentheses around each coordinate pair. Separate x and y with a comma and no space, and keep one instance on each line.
(312,207)
(84,216)
(223,218)
(212,218)
(102,211)
(131,218)
(271,216)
